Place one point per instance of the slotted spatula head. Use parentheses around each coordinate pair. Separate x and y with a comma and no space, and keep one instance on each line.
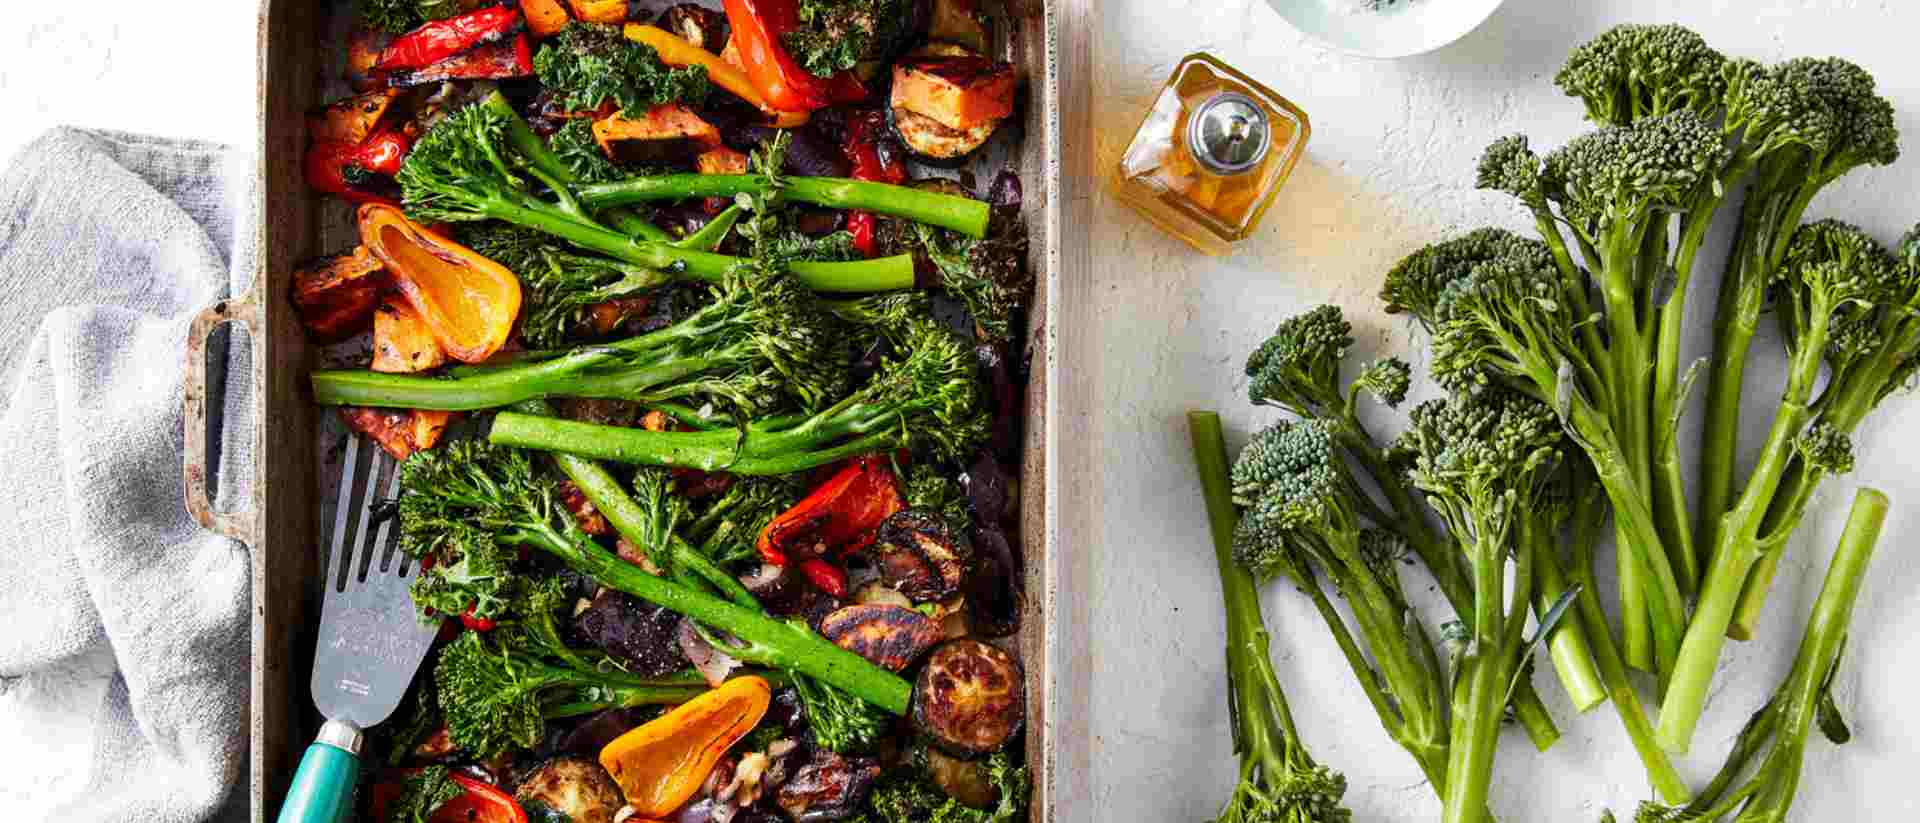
(371,638)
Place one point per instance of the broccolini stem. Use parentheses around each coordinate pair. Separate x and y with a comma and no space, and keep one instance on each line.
(1738,544)
(568,376)
(961,214)
(759,453)
(785,646)
(535,150)
(1587,518)
(1567,644)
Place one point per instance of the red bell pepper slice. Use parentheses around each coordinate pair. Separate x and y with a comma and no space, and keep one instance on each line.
(443,39)
(757,26)
(478,624)
(825,576)
(863,153)
(483,802)
(841,514)
(339,167)
(492,61)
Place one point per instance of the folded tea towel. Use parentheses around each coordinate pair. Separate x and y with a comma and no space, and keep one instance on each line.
(123,625)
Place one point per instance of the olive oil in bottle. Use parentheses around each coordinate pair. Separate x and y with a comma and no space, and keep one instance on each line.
(1209,156)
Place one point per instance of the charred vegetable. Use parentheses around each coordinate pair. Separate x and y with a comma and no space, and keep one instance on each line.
(890,636)
(661,764)
(921,555)
(947,101)
(592,65)
(829,786)
(574,787)
(701,27)
(970,698)
(836,35)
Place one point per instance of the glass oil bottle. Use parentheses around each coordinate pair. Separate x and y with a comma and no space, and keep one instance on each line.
(1210,154)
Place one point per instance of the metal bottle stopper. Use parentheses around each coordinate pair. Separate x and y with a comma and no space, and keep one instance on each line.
(1228,133)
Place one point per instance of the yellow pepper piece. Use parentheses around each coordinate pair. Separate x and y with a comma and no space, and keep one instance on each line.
(660,765)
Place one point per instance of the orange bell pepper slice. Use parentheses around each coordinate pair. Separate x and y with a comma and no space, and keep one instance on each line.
(843,513)
(468,301)
(676,51)
(659,766)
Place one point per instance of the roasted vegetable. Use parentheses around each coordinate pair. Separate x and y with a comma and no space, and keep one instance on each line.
(890,636)
(402,341)
(492,61)
(604,12)
(335,296)
(913,795)
(401,432)
(758,27)
(920,554)
(639,634)
(661,764)
(833,36)
(674,51)
(545,18)
(721,160)
(959,22)
(445,39)
(662,135)
(352,119)
(358,172)
(829,786)
(841,514)
(575,787)
(969,698)
(948,101)
(396,16)
(468,301)
(591,66)
(701,27)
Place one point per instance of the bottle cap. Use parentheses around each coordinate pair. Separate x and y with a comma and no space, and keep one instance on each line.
(1228,133)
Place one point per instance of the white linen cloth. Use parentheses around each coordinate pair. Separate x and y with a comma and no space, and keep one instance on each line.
(123,625)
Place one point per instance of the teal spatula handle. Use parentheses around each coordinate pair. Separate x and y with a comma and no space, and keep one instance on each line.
(322,790)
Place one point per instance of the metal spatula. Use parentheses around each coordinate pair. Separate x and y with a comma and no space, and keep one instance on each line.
(371,640)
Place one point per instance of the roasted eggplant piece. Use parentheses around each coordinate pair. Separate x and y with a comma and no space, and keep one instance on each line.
(889,636)
(572,786)
(641,634)
(959,22)
(701,26)
(970,698)
(948,100)
(828,787)
(919,554)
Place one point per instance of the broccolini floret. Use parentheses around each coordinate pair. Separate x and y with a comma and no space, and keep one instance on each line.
(1632,72)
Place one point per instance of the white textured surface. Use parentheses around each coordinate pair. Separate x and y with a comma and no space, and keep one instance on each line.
(1390,168)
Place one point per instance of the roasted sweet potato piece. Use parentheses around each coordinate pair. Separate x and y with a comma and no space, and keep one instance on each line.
(336,295)
(545,17)
(599,11)
(350,120)
(954,87)
(889,636)
(722,160)
(665,134)
(401,432)
(402,341)
(589,518)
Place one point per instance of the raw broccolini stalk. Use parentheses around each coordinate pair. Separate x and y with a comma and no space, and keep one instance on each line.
(1278,778)
(1825,294)
(1487,463)
(591,64)
(763,341)
(1496,303)
(480,163)
(471,490)
(1818,120)
(1297,370)
(1776,735)
(1873,352)
(1300,520)
(924,397)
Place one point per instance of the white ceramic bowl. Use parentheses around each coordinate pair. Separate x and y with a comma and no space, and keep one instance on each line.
(1406,28)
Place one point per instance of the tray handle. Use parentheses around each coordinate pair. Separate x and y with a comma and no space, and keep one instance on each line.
(245,311)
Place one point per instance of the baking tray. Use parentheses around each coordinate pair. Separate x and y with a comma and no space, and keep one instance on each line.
(281,522)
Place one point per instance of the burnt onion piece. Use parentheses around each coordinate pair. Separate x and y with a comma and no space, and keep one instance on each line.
(640,634)
(995,588)
(575,787)
(827,787)
(888,636)
(920,555)
(813,152)
(970,698)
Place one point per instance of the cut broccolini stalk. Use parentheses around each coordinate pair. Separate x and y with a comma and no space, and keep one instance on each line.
(1278,779)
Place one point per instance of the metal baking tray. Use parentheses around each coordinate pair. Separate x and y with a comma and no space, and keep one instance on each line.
(281,522)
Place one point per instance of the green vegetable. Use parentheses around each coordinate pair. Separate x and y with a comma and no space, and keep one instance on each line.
(481,163)
(422,794)
(836,35)
(989,275)
(1833,292)
(400,16)
(910,796)
(840,721)
(1297,370)
(725,527)
(471,493)
(924,397)
(763,341)
(1487,463)
(1278,780)
(589,64)
(559,285)
(929,489)
(1776,735)
(577,149)
(498,688)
